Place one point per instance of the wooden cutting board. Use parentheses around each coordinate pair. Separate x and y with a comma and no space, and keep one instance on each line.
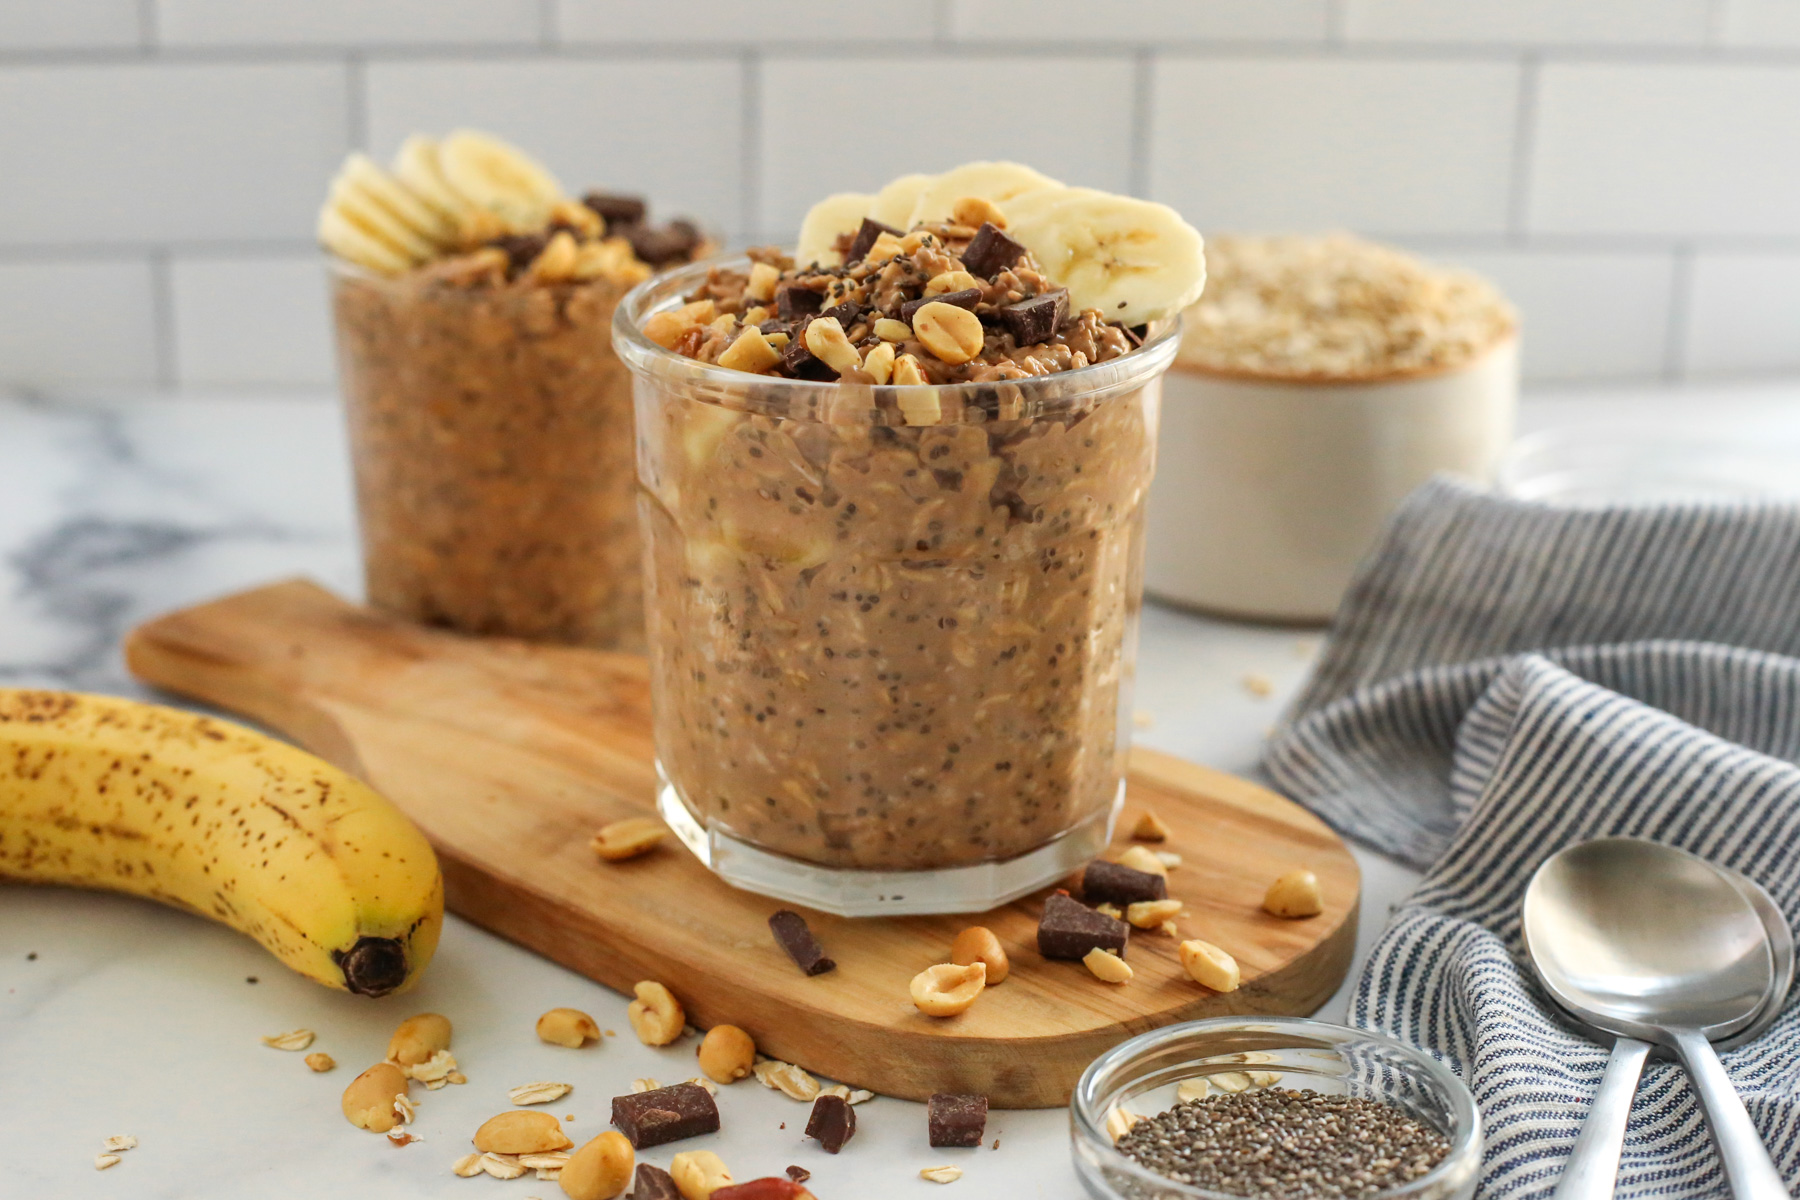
(510,756)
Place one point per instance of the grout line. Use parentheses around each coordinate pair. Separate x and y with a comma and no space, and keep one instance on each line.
(548,32)
(162,315)
(1143,92)
(147,25)
(750,138)
(1716,19)
(1518,200)
(356,102)
(1337,21)
(942,22)
(1680,309)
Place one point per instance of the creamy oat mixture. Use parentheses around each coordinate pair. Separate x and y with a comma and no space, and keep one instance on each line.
(1336,307)
(894,631)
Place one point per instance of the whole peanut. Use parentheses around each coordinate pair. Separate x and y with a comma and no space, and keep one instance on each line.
(698,1174)
(369,1100)
(1295,894)
(599,1170)
(656,1016)
(948,989)
(418,1038)
(727,1053)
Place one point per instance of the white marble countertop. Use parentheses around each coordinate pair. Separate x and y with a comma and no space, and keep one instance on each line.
(118,1016)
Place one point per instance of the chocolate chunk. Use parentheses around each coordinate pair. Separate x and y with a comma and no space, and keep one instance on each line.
(665,1115)
(845,314)
(654,1183)
(1037,319)
(1110,883)
(777,325)
(521,249)
(792,303)
(616,210)
(1069,929)
(833,1122)
(790,930)
(865,237)
(658,245)
(990,252)
(799,1174)
(967,298)
(956,1120)
(800,363)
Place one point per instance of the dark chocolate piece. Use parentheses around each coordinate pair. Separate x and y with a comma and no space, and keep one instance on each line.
(1037,319)
(668,1114)
(790,930)
(792,303)
(967,298)
(654,1183)
(801,363)
(956,1120)
(833,1122)
(990,252)
(866,234)
(845,314)
(659,245)
(616,210)
(521,249)
(1111,883)
(1069,929)
(799,1174)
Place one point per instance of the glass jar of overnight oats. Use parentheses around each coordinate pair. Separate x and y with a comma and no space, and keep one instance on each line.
(892,628)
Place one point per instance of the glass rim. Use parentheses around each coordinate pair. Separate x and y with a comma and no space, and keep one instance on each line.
(1464,1134)
(663,291)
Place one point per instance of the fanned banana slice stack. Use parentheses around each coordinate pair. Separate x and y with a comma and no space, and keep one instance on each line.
(440,197)
(1134,260)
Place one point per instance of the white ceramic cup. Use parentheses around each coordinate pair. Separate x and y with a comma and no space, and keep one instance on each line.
(1269,491)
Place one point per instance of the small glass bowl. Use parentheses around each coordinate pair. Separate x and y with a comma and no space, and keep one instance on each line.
(1141,1076)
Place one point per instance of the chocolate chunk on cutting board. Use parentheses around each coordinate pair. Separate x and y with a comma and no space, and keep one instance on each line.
(1069,929)
(797,939)
(1110,883)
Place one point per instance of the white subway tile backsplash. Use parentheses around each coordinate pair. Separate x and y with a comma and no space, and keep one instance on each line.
(1667,149)
(1744,314)
(1596,22)
(829,124)
(1582,316)
(667,129)
(77,323)
(769,22)
(1761,23)
(345,22)
(68,24)
(1148,21)
(159,151)
(1307,143)
(261,320)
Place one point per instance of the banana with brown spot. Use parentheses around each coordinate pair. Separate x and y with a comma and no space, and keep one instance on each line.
(205,815)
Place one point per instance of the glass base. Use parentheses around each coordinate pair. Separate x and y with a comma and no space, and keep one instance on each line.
(851,893)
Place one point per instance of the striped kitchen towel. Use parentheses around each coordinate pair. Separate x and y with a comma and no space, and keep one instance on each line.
(1505,679)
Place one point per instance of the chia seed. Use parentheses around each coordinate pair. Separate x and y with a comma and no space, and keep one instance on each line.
(1286,1144)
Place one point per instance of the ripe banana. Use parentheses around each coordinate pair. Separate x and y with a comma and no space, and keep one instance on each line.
(893,204)
(824,221)
(211,817)
(1134,260)
(995,181)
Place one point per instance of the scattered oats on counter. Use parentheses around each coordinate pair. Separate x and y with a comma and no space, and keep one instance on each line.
(1258,685)
(293,1039)
(1336,307)
(941,1174)
(542,1092)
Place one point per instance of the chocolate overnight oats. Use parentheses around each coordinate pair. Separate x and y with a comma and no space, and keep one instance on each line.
(893,510)
(490,421)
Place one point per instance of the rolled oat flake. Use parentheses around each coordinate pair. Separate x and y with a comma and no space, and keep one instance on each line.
(1279,1143)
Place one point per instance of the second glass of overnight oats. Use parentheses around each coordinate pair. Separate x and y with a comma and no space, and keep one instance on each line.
(892,494)
(490,421)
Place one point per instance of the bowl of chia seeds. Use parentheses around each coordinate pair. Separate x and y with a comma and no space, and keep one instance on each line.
(1273,1108)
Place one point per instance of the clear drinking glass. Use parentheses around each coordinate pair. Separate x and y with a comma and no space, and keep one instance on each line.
(1141,1076)
(892,629)
(491,434)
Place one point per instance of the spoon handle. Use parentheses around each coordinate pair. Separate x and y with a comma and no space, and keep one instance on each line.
(1593,1165)
(1748,1167)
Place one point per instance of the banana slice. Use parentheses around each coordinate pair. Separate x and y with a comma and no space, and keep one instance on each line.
(416,166)
(387,192)
(894,203)
(490,174)
(834,215)
(996,181)
(341,236)
(1134,260)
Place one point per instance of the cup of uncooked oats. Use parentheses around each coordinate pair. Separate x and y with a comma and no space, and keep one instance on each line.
(1320,379)
(490,421)
(893,507)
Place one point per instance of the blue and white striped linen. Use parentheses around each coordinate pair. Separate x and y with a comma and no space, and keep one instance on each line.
(1505,679)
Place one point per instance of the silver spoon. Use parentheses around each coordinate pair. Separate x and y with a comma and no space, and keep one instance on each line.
(1651,943)
(1593,1167)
